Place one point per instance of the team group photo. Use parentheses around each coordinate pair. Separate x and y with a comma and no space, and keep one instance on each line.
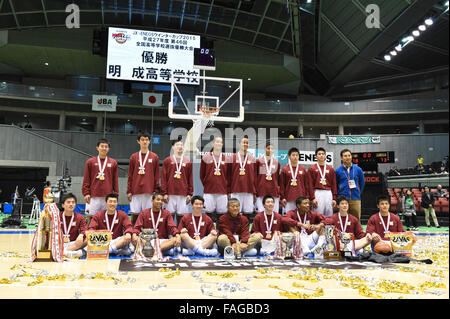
(211,150)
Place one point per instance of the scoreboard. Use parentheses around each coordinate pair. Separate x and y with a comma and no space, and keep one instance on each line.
(373,157)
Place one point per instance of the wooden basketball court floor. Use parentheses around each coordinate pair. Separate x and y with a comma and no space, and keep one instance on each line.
(93,279)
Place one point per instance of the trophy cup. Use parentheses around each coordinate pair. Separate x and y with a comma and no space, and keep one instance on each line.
(288,239)
(346,239)
(45,246)
(228,253)
(330,250)
(148,234)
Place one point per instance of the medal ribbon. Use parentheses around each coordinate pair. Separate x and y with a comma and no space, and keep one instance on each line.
(294,177)
(155,227)
(113,221)
(269,228)
(142,164)
(303,222)
(386,228)
(67,231)
(178,171)
(268,168)
(197,229)
(101,172)
(216,165)
(322,175)
(240,161)
(343,229)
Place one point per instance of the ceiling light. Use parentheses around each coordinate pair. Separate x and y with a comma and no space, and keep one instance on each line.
(422,27)
(398,47)
(387,57)
(393,53)
(249,79)
(429,21)
(410,38)
(46,63)
(416,33)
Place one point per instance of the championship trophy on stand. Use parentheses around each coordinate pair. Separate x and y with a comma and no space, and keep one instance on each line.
(148,234)
(45,249)
(331,251)
(288,239)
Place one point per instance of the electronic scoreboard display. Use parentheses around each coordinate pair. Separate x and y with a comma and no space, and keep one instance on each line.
(373,157)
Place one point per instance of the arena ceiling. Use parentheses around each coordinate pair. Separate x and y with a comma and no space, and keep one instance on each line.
(338,54)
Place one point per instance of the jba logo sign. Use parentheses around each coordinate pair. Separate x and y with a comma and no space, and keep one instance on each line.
(106,103)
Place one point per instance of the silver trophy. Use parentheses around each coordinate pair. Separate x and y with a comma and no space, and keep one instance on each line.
(288,239)
(228,253)
(346,239)
(148,234)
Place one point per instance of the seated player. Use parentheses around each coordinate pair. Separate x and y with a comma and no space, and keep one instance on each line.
(162,222)
(308,223)
(234,231)
(381,224)
(265,225)
(118,223)
(346,223)
(73,226)
(198,234)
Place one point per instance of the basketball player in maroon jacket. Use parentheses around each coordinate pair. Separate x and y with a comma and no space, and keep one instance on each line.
(241,172)
(176,181)
(213,175)
(293,181)
(73,226)
(118,223)
(322,184)
(100,178)
(143,177)
(267,176)
(161,221)
(197,231)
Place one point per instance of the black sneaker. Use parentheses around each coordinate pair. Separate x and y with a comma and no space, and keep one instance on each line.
(438,226)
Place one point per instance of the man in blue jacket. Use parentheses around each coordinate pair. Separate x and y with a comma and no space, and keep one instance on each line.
(350,182)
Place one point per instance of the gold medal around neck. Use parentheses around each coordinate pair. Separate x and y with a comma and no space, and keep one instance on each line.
(101,177)
(197,237)
(178,176)
(66,239)
(242,172)
(323,182)
(141,172)
(217,173)
(268,236)
(268,177)
(293,183)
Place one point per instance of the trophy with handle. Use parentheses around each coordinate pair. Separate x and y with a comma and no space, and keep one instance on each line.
(330,250)
(288,239)
(148,234)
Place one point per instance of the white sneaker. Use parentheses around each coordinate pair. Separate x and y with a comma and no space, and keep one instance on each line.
(73,253)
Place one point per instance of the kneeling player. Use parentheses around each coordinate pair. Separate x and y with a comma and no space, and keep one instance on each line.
(162,222)
(308,223)
(381,224)
(345,223)
(234,231)
(265,225)
(73,226)
(198,234)
(118,223)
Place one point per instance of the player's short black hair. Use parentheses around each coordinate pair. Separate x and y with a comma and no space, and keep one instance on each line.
(144,134)
(341,198)
(267,197)
(299,200)
(382,198)
(293,150)
(67,196)
(156,194)
(233,200)
(103,140)
(320,149)
(197,197)
(112,195)
(345,150)
(176,141)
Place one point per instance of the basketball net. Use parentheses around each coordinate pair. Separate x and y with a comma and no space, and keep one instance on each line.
(198,128)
